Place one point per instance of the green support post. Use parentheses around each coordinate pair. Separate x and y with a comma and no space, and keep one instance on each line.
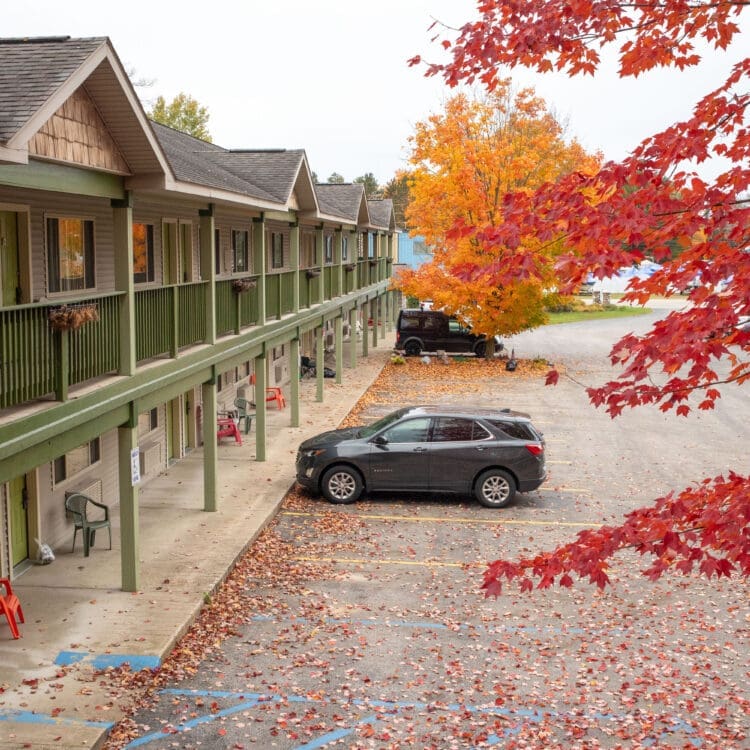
(122,238)
(375,321)
(207,239)
(210,451)
(294,388)
(127,442)
(320,352)
(353,319)
(259,267)
(294,261)
(365,327)
(339,340)
(260,407)
(353,258)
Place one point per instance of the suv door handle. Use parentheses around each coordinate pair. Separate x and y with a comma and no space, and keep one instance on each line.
(481,447)
(420,450)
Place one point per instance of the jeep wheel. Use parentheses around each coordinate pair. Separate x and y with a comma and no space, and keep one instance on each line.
(413,348)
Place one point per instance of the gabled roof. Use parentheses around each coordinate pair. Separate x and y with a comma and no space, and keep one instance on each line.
(381,213)
(38,75)
(277,176)
(32,70)
(343,200)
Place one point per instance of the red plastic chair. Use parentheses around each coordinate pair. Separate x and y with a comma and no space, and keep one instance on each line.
(11,607)
(274,393)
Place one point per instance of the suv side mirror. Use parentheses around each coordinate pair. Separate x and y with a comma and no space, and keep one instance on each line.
(380,440)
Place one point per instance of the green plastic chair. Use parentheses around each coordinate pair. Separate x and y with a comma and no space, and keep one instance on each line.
(78,506)
(243,407)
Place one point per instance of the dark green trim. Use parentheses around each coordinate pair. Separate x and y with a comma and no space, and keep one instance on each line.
(210,211)
(126,202)
(61,178)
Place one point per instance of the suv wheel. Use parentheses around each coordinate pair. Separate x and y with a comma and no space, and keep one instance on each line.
(413,348)
(480,349)
(495,488)
(341,485)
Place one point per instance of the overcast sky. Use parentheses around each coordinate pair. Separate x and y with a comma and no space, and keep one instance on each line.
(330,76)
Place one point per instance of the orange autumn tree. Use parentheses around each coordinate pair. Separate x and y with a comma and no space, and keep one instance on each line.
(654,198)
(464,161)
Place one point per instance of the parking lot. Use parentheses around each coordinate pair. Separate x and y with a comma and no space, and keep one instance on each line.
(364,626)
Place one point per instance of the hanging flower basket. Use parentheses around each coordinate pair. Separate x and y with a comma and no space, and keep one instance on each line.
(349,267)
(311,273)
(243,285)
(373,262)
(72,317)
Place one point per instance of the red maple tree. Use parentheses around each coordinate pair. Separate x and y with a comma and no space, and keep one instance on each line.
(652,204)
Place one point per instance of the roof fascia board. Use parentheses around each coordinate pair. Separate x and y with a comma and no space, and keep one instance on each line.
(14,155)
(225,196)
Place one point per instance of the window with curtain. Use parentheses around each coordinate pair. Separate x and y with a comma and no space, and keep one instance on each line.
(70,254)
(143,253)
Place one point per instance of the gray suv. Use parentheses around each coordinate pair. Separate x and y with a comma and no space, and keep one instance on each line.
(492,453)
(420,331)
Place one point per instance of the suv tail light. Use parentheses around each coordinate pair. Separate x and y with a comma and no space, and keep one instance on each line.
(535,449)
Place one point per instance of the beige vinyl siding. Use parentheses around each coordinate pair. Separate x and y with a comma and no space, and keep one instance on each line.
(43,204)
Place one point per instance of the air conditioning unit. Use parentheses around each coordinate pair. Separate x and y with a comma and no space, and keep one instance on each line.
(150,459)
(278,374)
(243,392)
(330,340)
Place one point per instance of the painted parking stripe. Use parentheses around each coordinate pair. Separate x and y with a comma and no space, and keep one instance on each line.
(439,519)
(337,734)
(137,662)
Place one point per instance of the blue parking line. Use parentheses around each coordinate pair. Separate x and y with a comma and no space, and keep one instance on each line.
(521,715)
(137,662)
(193,723)
(337,734)
(29,717)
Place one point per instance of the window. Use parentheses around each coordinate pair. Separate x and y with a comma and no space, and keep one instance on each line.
(360,245)
(307,249)
(411,431)
(277,250)
(76,460)
(143,253)
(344,248)
(329,248)
(516,430)
(70,254)
(148,421)
(240,252)
(456,429)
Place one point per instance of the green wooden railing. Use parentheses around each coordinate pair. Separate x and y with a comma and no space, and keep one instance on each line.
(36,360)
(28,355)
(154,332)
(304,290)
(95,347)
(191,313)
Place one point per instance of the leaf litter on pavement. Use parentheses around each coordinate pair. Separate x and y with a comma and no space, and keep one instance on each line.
(406,657)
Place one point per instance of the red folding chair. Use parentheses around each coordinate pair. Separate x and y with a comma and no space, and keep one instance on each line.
(10,606)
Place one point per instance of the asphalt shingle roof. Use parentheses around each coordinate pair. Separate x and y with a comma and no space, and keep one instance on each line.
(342,200)
(269,175)
(32,70)
(381,211)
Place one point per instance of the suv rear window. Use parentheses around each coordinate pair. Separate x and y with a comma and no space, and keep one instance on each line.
(516,430)
(409,323)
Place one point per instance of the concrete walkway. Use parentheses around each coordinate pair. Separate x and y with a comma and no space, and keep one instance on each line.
(78,620)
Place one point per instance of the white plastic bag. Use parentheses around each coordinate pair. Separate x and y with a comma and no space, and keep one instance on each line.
(46,555)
